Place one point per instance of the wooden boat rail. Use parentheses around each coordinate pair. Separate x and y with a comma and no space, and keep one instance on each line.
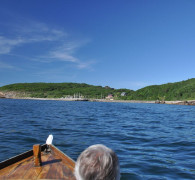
(55,165)
(19,157)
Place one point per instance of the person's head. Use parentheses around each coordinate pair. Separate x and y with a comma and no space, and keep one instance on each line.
(97,162)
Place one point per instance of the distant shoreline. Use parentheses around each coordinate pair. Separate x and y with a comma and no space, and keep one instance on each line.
(77,99)
(189,102)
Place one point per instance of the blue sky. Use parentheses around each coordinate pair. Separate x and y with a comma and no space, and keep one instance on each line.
(123,44)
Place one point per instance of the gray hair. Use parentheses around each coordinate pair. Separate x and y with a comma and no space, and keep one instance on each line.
(97,162)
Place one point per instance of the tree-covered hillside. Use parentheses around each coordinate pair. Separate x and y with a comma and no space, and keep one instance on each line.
(58,90)
(184,90)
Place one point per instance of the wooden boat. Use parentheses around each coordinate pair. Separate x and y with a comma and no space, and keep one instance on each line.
(43,162)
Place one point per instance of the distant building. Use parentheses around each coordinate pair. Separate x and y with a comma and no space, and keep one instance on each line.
(123,94)
(110,97)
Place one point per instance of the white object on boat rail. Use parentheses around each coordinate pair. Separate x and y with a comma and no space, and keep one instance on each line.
(49,139)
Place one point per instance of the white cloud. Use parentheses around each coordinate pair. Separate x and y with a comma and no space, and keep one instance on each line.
(62,56)
(59,48)
(64,53)
(36,31)
(85,65)
(29,33)
(6,44)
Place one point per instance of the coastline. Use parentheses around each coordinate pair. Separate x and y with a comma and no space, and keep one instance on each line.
(14,95)
(179,102)
(82,99)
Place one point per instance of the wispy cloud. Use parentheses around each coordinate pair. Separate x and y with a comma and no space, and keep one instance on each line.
(29,33)
(86,65)
(64,53)
(59,47)
(6,44)
(37,32)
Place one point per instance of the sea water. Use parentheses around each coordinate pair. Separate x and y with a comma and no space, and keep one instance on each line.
(152,141)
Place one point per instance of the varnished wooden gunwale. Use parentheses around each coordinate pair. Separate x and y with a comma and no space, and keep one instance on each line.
(19,157)
(55,165)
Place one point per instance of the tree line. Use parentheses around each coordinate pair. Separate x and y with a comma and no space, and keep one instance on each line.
(183,90)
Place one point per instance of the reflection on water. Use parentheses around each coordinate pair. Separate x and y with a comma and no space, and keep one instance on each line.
(152,141)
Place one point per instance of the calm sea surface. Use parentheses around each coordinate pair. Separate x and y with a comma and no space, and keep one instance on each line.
(152,141)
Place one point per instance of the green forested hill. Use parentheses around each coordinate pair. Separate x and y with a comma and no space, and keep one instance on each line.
(58,90)
(184,90)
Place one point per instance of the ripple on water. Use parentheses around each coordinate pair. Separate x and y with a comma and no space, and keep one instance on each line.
(152,141)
